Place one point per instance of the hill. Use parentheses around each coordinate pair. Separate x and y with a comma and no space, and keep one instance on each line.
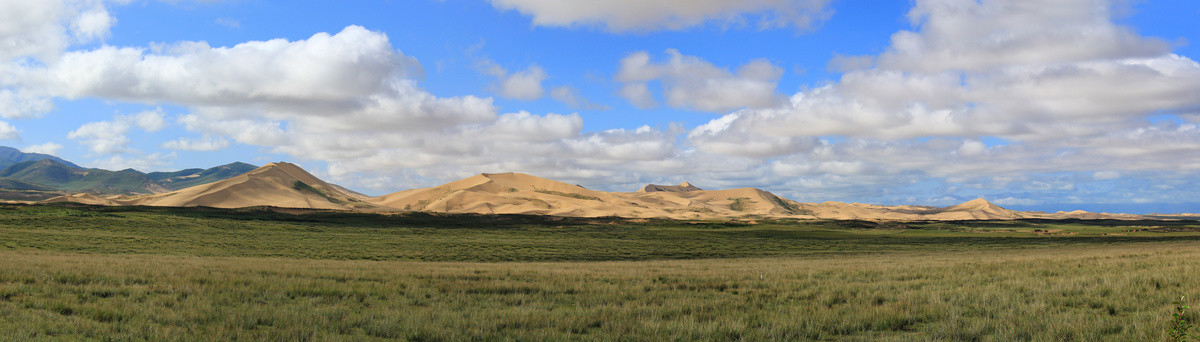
(276,184)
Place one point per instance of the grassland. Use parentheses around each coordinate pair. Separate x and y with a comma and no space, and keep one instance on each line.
(70,272)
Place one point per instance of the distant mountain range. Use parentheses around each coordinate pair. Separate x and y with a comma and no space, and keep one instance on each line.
(10,156)
(26,176)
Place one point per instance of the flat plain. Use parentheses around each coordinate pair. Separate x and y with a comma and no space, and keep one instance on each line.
(138,273)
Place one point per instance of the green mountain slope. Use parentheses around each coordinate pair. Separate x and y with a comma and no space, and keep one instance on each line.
(59,176)
(14,184)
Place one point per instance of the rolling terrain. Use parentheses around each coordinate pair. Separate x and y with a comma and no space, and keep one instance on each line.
(286,185)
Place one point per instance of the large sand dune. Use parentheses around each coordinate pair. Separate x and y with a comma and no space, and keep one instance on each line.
(286,185)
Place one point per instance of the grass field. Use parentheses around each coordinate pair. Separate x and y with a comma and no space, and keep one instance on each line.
(69,272)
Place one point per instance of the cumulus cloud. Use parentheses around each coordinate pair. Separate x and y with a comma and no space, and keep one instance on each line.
(522,85)
(43,29)
(639,95)
(8,132)
(977,35)
(22,104)
(338,70)
(653,15)
(1034,94)
(47,148)
(110,137)
(33,32)
(103,137)
(690,82)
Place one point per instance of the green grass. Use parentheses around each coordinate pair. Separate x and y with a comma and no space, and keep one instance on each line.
(1091,293)
(739,204)
(428,237)
(77,272)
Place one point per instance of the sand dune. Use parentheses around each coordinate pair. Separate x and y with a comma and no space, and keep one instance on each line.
(517,193)
(286,185)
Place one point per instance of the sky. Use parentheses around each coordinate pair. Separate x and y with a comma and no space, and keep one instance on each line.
(1035,105)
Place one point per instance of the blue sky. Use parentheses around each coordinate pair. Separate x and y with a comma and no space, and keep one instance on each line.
(1036,105)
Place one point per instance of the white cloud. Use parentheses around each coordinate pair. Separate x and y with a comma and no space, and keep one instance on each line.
(690,82)
(47,148)
(205,144)
(523,85)
(638,94)
(246,131)
(8,132)
(652,15)
(22,104)
(977,35)
(36,28)
(110,137)
(103,137)
(338,70)
(33,32)
(141,162)
(149,121)
(1022,97)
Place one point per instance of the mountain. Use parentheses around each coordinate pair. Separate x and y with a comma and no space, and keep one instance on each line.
(682,187)
(54,174)
(276,184)
(192,177)
(10,156)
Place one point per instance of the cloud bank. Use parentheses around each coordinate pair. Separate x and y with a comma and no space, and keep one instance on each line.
(1019,100)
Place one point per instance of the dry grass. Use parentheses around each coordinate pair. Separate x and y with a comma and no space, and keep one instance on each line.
(1114,292)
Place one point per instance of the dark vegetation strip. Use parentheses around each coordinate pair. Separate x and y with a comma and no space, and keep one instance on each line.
(259,232)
